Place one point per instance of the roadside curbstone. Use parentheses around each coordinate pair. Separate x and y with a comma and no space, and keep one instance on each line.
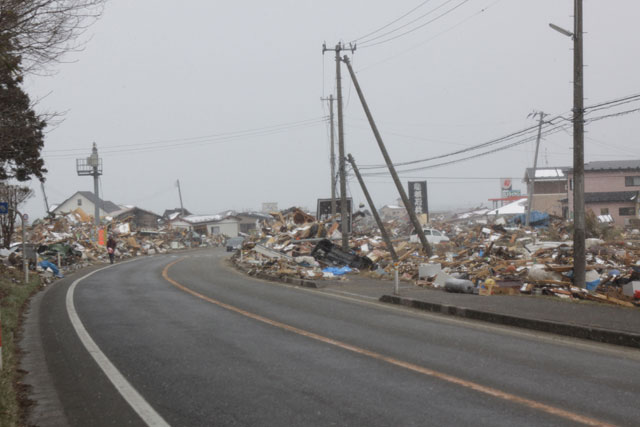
(607,336)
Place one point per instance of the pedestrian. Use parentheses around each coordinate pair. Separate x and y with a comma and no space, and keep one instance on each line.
(111,248)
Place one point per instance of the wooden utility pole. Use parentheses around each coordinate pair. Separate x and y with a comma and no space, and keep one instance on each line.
(579,250)
(387,159)
(535,166)
(180,196)
(344,216)
(332,158)
(383,231)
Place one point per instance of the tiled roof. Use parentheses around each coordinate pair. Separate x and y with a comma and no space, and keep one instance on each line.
(612,165)
(611,197)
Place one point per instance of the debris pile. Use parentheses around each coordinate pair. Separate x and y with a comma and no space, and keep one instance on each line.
(484,259)
(69,242)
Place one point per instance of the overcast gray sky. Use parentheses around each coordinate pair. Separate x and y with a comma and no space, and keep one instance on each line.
(168,89)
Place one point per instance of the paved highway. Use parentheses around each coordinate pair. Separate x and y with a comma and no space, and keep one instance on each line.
(185,340)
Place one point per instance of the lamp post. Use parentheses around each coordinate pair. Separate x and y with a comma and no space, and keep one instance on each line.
(579,256)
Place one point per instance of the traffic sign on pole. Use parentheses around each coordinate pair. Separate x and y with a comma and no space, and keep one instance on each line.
(4,208)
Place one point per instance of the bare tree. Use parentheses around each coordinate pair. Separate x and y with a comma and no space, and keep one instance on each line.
(41,31)
(15,196)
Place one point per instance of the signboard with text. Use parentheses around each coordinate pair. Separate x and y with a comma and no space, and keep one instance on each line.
(4,208)
(418,197)
(324,210)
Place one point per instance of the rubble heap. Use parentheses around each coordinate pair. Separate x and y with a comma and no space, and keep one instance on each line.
(480,258)
(68,242)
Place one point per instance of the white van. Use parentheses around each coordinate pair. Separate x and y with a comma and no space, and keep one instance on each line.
(432,235)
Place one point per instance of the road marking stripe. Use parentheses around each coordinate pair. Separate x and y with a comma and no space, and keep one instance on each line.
(410,366)
(130,394)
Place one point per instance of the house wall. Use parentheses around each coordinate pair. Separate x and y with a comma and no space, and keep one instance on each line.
(549,187)
(614,211)
(392,213)
(229,228)
(603,181)
(549,203)
(71,205)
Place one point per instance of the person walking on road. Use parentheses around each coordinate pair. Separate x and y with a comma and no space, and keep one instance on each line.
(111,248)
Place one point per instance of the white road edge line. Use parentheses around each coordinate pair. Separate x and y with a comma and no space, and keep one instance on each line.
(130,394)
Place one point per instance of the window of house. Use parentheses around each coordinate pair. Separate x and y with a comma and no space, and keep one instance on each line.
(215,230)
(571,184)
(79,202)
(632,181)
(604,211)
(627,211)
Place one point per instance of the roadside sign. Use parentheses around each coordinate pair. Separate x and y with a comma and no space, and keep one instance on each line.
(26,217)
(4,208)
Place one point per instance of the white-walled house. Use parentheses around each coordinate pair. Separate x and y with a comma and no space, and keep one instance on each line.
(86,201)
(209,224)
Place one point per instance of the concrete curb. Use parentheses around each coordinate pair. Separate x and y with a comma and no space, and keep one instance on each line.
(281,279)
(607,336)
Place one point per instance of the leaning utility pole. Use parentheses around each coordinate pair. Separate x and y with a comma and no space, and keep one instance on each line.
(535,166)
(332,158)
(387,159)
(579,251)
(180,196)
(92,166)
(344,217)
(374,211)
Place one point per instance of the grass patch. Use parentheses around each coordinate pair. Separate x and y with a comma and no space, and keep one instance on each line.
(13,296)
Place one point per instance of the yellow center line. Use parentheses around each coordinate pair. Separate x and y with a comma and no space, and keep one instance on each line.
(410,366)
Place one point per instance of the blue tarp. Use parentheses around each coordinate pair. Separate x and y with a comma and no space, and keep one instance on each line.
(537,219)
(337,271)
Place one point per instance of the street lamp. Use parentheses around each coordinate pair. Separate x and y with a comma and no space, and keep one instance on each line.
(579,256)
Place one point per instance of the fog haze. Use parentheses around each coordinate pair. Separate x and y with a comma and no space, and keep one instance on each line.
(226,97)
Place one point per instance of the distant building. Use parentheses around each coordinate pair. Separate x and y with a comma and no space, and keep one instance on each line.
(610,188)
(550,188)
(138,218)
(86,201)
(171,214)
(268,207)
(209,224)
(391,212)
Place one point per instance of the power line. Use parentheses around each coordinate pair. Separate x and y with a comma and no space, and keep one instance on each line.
(406,24)
(495,150)
(392,22)
(431,38)
(416,28)
(495,141)
(216,139)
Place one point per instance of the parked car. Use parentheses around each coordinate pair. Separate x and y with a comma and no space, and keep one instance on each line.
(234,243)
(432,235)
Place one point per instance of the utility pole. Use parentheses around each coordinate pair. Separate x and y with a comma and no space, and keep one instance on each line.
(535,166)
(383,231)
(387,159)
(579,255)
(332,158)
(92,166)
(180,195)
(344,217)
(44,195)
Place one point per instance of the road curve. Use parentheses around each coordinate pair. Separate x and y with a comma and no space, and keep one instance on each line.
(204,345)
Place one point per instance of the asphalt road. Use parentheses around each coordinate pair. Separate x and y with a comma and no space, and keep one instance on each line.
(207,346)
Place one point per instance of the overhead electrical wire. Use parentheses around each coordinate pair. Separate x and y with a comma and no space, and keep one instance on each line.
(403,25)
(435,36)
(513,144)
(199,140)
(392,22)
(368,44)
(548,123)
